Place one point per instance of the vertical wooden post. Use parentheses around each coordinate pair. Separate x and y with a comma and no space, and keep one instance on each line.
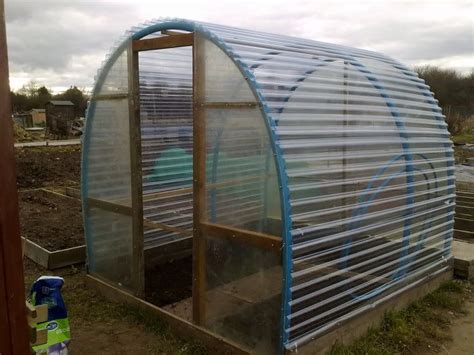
(199,180)
(136,170)
(13,326)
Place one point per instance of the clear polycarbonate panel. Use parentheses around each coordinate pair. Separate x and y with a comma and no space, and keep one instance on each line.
(240,171)
(243,298)
(108,167)
(110,249)
(167,144)
(225,82)
(108,174)
(241,192)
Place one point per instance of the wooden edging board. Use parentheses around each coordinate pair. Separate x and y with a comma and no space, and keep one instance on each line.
(353,328)
(53,259)
(179,326)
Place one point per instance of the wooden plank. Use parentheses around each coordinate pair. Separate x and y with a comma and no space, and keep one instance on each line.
(228,105)
(104,97)
(183,328)
(241,236)
(36,253)
(152,224)
(54,259)
(138,267)
(109,206)
(13,325)
(73,192)
(182,40)
(466,235)
(66,257)
(199,180)
(464,224)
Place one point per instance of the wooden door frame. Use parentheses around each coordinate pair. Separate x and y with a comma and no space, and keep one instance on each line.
(14,337)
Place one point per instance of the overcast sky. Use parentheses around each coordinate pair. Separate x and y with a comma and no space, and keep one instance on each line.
(62,42)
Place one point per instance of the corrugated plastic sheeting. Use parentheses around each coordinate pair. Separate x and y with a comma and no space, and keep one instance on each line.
(240,184)
(167,141)
(108,176)
(369,166)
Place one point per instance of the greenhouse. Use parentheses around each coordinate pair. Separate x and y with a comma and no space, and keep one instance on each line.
(265,188)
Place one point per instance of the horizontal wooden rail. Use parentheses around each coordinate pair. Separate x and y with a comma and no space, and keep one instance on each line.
(109,206)
(157,225)
(105,97)
(182,40)
(245,237)
(227,105)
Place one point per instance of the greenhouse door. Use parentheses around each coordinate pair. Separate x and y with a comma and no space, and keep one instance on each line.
(237,240)
(163,76)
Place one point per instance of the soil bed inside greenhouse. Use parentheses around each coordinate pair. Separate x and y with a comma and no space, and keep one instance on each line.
(48,166)
(51,220)
(170,282)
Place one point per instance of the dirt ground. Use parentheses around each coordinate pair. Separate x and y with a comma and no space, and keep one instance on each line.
(48,166)
(50,220)
(462,331)
(102,327)
(176,275)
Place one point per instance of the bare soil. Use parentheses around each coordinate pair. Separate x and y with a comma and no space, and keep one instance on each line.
(48,166)
(170,282)
(50,220)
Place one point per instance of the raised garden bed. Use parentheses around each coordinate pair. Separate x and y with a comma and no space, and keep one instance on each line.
(51,225)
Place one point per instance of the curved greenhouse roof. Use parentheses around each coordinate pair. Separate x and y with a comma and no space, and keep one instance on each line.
(351,146)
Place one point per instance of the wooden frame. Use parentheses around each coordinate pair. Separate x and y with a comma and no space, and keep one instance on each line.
(138,268)
(13,325)
(241,236)
(199,178)
(174,41)
(180,326)
(54,259)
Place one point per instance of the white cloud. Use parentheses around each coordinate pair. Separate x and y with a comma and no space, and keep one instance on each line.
(62,43)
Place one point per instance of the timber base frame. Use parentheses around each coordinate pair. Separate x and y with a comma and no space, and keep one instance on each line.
(345,333)
(183,328)
(350,330)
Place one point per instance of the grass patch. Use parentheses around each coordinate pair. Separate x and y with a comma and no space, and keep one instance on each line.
(464,138)
(422,325)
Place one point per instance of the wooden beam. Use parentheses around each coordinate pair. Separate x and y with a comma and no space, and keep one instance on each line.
(241,236)
(199,180)
(109,206)
(14,335)
(109,97)
(166,194)
(228,105)
(138,267)
(154,225)
(182,40)
(183,328)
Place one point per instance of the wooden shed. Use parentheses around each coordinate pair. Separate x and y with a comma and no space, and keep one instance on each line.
(59,117)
